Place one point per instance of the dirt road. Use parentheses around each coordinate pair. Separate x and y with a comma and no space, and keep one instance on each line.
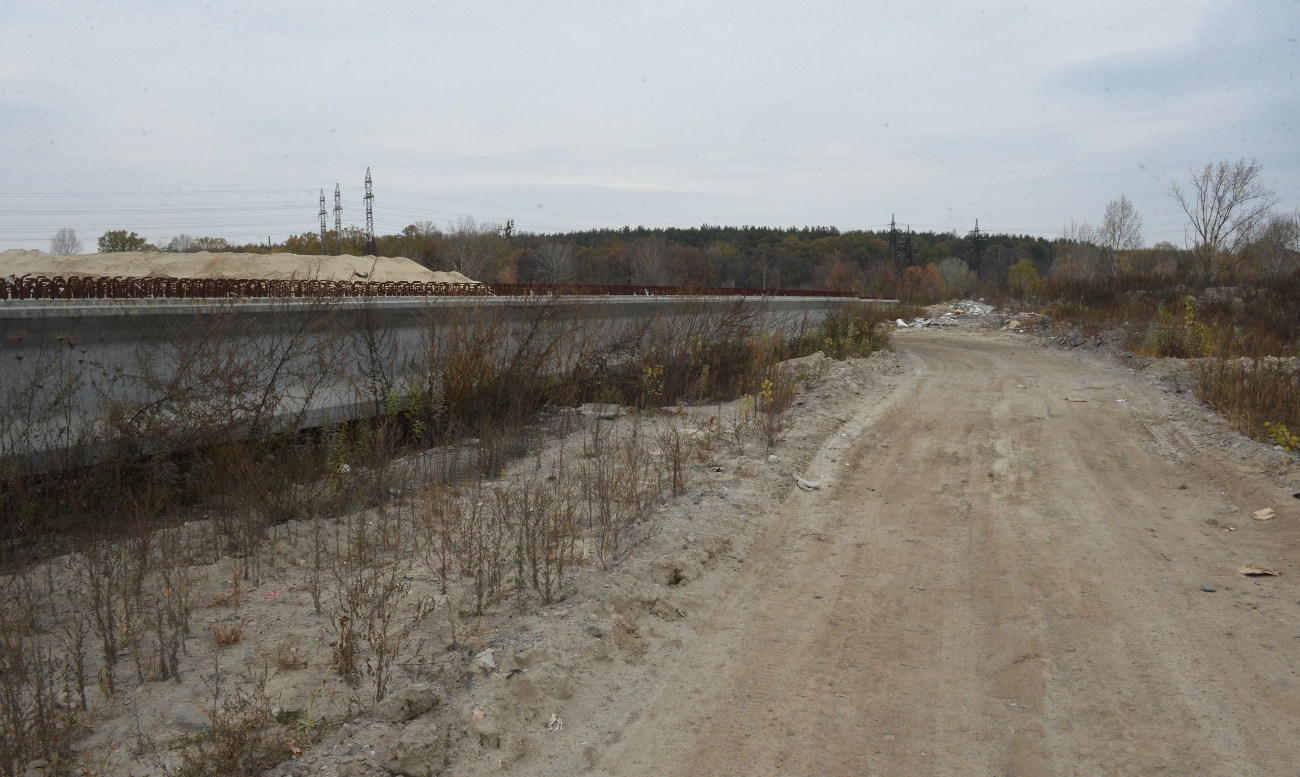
(993,580)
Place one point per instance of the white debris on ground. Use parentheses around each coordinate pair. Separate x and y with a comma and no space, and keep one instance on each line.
(970,308)
(970,314)
(947,315)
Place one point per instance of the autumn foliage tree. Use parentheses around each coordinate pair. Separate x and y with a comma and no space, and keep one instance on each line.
(306,244)
(921,284)
(958,277)
(117,241)
(841,275)
(1023,278)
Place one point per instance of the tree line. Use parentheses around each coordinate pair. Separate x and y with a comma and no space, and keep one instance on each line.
(1232,230)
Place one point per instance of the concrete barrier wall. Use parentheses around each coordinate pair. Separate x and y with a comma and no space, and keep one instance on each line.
(71,369)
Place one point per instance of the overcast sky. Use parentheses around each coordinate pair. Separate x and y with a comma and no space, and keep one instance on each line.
(227,118)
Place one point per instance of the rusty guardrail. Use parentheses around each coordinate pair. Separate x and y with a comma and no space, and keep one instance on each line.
(79,287)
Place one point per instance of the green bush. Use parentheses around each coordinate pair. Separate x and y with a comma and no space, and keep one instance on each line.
(1179,338)
(852,333)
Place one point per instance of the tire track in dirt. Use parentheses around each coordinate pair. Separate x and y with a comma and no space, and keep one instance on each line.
(994,581)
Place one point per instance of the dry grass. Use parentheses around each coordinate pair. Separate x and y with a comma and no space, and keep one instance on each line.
(99,558)
(1260,395)
(226,634)
(1250,332)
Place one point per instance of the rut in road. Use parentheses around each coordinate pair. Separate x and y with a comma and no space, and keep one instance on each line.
(996,580)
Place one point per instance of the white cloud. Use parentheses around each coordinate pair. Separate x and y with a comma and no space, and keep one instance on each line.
(756,112)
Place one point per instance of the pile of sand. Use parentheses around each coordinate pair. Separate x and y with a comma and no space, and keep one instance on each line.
(139,264)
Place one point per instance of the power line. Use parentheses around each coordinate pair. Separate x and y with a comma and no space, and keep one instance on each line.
(322,221)
(370,216)
(338,220)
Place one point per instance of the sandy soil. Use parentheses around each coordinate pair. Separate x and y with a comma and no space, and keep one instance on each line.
(1021,560)
(130,264)
(1017,560)
(996,579)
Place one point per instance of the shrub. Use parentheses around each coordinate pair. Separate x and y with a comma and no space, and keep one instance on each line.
(852,333)
(1289,441)
(1179,338)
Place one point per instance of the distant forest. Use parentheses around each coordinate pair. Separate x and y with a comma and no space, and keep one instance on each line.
(1233,228)
(894,263)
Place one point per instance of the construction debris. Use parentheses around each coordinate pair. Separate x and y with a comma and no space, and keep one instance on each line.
(969,307)
(1250,570)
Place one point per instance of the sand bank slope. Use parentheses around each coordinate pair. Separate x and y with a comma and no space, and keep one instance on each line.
(132,264)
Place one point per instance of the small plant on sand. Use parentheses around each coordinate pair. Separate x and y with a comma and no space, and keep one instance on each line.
(1180,338)
(651,384)
(775,396)
(242,742)
(738,426)
(1289,440)
(290,654)
(226,634)
(852,333)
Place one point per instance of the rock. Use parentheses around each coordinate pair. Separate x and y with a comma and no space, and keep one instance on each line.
(1209,589)
(1071,339)
(1212,521)
(188,716)
(807,485)
(486,661)
(602,411)
(803,362)
(410,702)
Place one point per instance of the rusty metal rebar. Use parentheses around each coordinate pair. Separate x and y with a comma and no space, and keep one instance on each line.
(82,287)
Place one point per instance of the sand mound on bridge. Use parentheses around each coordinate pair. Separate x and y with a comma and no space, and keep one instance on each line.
(140,264)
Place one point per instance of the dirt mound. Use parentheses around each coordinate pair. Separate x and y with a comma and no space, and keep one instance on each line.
(139,264)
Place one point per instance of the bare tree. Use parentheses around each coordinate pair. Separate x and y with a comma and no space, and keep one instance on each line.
(1276,248)
(648,259)
(1078,255)
(65,242)
(1225,205)
(474,249)
(181,244)
(555,262)
(1120,230)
